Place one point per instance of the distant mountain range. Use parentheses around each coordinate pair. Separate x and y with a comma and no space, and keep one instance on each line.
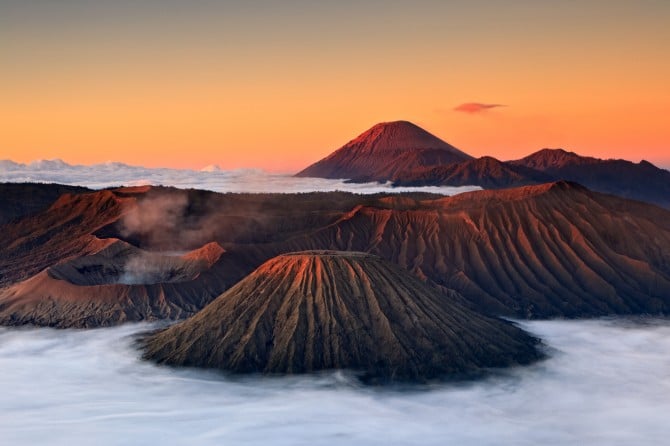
(407,155)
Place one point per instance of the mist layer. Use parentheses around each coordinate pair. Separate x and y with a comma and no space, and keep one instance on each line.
(607,383)
(99,176)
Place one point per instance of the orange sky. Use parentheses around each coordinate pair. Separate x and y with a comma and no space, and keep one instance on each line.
(256,86)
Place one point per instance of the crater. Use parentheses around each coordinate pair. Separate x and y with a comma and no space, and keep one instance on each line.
(124,264)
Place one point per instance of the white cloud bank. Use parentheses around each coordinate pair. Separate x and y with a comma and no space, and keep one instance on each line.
(212,178)
(607,383)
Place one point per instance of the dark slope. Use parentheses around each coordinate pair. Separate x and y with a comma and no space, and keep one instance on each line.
(486,172)
(65,229)
(22,199)
(642,181)
(311,311)
(385,151)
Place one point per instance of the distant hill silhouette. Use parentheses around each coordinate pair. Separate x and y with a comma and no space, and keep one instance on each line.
(22,199)
(486,172)
(640,181)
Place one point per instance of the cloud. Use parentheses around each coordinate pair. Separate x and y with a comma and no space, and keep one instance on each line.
(156,218)
(162,221)
(476,107)
(606,382)
(99,176)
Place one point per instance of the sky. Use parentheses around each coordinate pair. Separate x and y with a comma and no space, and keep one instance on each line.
(278,85)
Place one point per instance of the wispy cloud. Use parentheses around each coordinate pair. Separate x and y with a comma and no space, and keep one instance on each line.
(476,107)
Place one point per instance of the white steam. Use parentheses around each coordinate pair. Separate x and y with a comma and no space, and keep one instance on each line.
(99,176)
(161,220)
(607,383)
(146,269)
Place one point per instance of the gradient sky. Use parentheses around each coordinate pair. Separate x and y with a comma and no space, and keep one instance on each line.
(278,85)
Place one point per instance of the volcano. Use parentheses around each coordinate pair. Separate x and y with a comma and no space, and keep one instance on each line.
(119,283)
(386,150)
(319,310)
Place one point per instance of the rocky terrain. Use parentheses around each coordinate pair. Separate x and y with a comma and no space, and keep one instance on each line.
(107,257)
(551,250)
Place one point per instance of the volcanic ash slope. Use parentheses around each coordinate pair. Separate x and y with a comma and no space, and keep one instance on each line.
(319,310)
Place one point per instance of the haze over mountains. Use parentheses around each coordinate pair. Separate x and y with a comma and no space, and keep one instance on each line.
(407,155)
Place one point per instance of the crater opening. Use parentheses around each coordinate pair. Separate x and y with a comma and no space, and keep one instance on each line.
(125,264)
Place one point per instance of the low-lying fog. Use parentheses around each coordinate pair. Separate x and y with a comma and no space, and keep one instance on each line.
(607,383)
(99,176)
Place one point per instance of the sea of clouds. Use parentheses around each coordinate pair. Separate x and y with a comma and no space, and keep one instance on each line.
(607,382)
(99,176)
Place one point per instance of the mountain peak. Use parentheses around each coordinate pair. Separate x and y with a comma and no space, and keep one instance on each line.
(398,136)
(385,150)
(553,158)
(400,125)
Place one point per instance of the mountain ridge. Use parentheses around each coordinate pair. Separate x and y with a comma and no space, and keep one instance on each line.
(551,250)
(363,160)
